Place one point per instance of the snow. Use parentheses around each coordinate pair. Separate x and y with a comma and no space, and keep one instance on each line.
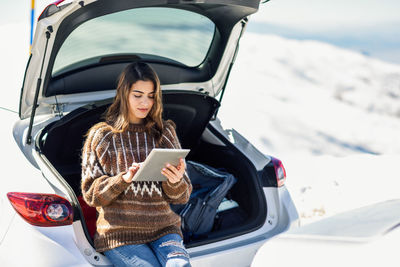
(320,98)
(331,115)
(14,53)
(325,185)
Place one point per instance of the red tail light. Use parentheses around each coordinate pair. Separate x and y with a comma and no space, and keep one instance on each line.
(42,209)
(280,171)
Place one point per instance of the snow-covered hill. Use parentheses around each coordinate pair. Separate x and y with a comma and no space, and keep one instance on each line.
(307,97)
(331,115)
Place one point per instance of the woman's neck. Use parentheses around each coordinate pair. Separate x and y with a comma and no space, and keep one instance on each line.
(136,121)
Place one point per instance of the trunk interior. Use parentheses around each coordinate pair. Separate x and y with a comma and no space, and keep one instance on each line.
(61,143)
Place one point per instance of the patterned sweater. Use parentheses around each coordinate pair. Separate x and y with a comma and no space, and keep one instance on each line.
(129,213)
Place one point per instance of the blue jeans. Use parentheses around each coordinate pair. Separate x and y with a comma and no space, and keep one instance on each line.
(165,251)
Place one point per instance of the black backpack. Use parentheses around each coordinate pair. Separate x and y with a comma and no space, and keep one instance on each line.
(210,186)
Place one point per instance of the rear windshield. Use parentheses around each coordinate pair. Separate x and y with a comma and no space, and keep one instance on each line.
(174,35)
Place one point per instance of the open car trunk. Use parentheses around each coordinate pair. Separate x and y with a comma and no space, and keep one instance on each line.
(61,143)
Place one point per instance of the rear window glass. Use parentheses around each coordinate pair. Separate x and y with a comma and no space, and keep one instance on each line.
(168,34)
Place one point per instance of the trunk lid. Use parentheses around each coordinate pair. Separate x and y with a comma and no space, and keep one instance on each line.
(80,48)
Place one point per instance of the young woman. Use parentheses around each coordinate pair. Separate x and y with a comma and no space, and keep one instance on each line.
(135,225)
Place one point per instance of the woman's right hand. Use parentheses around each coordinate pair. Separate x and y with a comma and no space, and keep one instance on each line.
(128,176)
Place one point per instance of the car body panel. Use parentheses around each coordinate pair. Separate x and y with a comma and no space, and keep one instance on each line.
(57,242)
(20,131)
(313,251)
(361,224)
(367,236)
(239,256)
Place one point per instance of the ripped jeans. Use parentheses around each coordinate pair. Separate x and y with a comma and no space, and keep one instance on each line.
(165,251)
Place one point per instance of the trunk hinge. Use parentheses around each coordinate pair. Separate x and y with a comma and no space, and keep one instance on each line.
(39,82)
(58,109)
(244,23)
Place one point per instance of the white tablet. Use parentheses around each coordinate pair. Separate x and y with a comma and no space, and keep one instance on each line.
(150,169)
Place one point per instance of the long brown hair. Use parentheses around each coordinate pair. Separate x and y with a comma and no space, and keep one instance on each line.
(118,113)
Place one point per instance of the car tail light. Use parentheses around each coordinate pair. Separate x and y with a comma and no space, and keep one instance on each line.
(280,171)
(42,209)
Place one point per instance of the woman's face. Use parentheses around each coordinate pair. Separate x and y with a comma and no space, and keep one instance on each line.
(140,100)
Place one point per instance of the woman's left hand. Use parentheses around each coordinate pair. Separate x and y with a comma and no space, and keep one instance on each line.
(174,174)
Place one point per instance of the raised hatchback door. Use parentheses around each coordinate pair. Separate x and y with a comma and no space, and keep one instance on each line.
(80,47)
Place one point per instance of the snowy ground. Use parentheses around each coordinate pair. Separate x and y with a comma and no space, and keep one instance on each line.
(322,186)
(332,116)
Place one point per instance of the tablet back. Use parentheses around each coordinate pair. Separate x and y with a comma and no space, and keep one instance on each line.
(150,169)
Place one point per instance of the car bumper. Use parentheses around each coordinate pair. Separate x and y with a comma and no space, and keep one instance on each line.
(240,251)
(26,245)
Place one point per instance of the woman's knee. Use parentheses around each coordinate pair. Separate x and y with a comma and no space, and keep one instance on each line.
(132,255)
(178,262)
(171,251)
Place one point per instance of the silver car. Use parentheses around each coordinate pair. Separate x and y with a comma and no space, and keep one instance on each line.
(79,49)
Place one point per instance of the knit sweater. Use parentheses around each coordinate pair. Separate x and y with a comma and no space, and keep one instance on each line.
(129,213)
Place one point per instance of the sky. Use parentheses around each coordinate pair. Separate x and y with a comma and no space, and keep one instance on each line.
(371,27)
(323,14)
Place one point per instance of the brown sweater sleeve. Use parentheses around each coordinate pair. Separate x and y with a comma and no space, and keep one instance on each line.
(179,192)
(98,188)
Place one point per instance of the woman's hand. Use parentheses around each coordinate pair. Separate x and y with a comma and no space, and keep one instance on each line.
(174,174)
(131,172)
